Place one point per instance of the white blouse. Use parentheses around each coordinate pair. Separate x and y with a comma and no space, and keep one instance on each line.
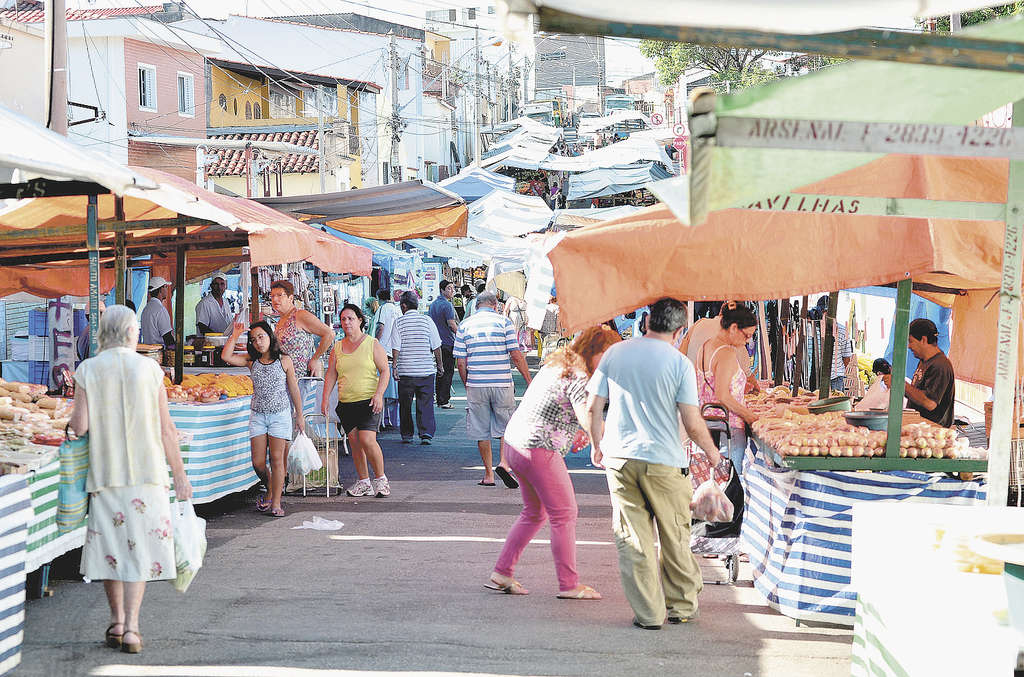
(123,390)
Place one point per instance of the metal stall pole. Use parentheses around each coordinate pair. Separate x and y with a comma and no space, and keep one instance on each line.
(179,310)
(93,244)
(829,348)
(901,329)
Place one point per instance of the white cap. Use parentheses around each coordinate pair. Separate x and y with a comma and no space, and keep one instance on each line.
(157,282)
(220,276)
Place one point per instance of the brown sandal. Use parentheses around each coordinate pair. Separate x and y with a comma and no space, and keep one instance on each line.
(134,647)
(582,592)
(110,639)
(509,586)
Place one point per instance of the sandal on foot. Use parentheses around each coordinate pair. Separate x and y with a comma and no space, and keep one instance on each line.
(263,503)
(277,512)
(506,477)
(581,592)
(135,647)
(509,586)
(110,639)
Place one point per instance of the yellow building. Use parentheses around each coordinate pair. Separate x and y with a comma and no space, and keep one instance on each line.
(267,104)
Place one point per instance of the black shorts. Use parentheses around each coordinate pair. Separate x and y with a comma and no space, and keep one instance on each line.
(357,416)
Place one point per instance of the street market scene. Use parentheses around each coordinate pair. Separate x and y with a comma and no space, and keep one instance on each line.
(535,337)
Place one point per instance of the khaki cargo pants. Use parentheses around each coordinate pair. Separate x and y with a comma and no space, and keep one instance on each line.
(644,494)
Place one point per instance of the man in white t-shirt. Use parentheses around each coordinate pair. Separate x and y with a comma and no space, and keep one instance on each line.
(647,384)
(155,319)
(213,312)
(384,323)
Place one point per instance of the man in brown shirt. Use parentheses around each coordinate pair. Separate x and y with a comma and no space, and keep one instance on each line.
(932,388)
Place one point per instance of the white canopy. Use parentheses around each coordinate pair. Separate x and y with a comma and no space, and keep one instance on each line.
(501,216)
(35,152)
(592,125)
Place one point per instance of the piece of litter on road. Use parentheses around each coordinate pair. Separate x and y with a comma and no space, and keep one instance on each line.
(320,524)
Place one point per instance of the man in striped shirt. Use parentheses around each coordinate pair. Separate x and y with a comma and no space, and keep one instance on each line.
(483,345)
(417,358)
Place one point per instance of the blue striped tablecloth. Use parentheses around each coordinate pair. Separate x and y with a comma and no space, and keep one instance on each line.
(216,451)
(797,529)
(15,515)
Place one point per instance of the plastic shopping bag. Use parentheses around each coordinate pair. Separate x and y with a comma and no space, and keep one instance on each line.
(189,543)
(710,503)
(302,456)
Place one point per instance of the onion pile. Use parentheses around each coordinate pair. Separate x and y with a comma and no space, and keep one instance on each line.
(830,435)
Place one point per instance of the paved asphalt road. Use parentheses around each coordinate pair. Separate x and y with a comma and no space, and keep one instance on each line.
(399,590)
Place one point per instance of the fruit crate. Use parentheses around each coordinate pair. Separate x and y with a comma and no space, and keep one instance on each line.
(38,323)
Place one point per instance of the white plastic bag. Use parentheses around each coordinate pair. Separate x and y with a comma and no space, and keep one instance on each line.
(710,503)
(189,543)
(302,456)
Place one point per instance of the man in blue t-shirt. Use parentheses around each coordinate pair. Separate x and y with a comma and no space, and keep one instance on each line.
(648,386)
(442,312)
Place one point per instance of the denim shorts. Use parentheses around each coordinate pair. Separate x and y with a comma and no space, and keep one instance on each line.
(277,424)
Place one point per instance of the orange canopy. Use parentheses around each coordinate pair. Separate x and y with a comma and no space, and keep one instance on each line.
(56,225)
(441,222)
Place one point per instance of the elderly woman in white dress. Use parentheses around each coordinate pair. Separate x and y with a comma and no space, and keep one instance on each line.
(121,403)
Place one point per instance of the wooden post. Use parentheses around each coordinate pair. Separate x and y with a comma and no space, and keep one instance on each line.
(829,348)
(900,330)
(254,298)
(782,316)
(798,368)
(93,244)
(179,311)
(1003,420)
(120,255)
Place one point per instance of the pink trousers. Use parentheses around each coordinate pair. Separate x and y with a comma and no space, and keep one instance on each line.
(547,495)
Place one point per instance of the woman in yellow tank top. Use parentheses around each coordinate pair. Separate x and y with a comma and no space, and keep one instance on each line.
(359,366)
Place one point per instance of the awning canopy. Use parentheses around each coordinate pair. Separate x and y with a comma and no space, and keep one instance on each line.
(500,216)
(474,183)
(457,256)
(395,211)
(568,219)
(35,151)
(37,232)
(594,125)
(607,269)
(614,180)
(524,154)
(384,255)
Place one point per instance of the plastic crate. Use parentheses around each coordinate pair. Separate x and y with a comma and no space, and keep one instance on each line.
(19,348)
(38,323)
(81,321)
(39,372)
(15,370)
(39,348)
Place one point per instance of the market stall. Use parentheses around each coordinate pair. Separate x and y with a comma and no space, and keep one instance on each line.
(16,508)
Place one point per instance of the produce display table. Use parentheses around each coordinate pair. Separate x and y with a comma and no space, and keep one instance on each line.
(797,529)
(217,456)
(15,515)
(913,596)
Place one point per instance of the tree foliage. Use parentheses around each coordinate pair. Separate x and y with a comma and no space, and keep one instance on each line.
(980,15)
(672,59)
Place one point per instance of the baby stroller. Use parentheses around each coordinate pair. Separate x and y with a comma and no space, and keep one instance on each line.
(718,538)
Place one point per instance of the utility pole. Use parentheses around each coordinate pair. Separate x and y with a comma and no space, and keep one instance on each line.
(320,136)
(476,98)
(526,78)
(954,22)
(56,45)
(395,123)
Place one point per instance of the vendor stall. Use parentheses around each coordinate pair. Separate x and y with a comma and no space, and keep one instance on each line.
(16,508)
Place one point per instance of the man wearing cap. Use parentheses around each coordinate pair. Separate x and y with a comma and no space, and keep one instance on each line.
(213,313)
(931,390)
(156,321)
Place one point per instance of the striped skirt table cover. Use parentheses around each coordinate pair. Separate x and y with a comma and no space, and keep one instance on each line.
(45,542)
(797,529)
(15,515)
(217,458)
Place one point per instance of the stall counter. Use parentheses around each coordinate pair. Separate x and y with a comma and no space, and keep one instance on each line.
(16,508)
(797,529)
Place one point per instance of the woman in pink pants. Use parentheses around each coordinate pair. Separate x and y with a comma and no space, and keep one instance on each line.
(547,426)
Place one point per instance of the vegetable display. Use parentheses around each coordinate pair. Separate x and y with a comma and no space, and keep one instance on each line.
(207,388)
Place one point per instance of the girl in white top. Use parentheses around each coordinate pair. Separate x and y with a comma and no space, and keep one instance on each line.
(120,396)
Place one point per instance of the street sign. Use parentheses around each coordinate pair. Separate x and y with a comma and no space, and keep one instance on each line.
(657,119)
(679,143)
(679,129)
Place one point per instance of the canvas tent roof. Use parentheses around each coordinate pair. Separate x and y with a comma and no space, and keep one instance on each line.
(395,211)
(614,180)
(474,183)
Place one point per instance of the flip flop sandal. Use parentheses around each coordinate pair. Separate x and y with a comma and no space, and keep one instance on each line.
(585,592)
(263,503)
(277,512)
(513,587)
(506,477)
(485,484)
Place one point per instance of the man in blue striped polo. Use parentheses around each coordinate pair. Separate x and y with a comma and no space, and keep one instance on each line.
(483,345)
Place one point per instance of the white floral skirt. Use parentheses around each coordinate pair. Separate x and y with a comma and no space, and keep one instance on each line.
(129,536)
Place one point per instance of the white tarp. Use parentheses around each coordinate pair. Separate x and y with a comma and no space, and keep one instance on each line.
(457,257)
(36,152)
(777,16)
(593,125)
(501,216)
(637,148)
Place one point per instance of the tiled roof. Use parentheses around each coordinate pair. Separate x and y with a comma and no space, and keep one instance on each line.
(232,162)
(34,16)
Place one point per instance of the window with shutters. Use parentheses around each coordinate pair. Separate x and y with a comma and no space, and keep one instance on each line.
(451,15)
(257,112)
(471,13)
(248,110)
(223,101)
(186,95)
(147,87)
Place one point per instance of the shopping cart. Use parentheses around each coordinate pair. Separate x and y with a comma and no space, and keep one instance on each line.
(719,538)
(325,438)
